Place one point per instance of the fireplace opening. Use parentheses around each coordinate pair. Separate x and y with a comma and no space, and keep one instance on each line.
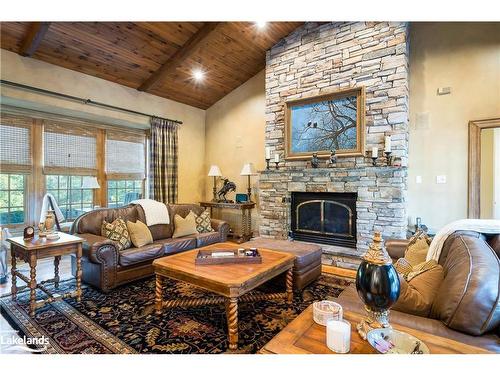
(328,218)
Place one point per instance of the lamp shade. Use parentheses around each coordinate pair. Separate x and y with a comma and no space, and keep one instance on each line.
(248,170)
(90,182)
(214,171)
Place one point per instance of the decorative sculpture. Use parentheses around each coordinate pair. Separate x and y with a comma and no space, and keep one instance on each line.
(226,188)
(332,161)
(315,160)
(377,283)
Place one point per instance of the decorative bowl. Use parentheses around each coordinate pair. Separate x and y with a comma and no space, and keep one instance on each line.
(390,341)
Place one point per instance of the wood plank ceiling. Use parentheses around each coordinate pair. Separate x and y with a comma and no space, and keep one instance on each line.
(155,57)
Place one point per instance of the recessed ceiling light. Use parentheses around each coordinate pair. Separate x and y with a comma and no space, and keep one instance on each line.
(198,74)
(261,24)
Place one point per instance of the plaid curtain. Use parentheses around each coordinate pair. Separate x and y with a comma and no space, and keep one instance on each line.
(163,160)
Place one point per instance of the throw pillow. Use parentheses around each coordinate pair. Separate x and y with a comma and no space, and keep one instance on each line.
(184,226)
(140,234)
(417,249)
(204,223)
(116,231)
(403,267)
(417,295)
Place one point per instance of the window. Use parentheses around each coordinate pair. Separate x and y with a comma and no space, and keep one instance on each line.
(71,198)
(12,206)
(121,192)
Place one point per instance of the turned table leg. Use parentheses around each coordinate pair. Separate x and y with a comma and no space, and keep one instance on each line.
(32,284)
(232,322)
(57,259)
(13,271)
(159,294)
(289,285)
(79,273)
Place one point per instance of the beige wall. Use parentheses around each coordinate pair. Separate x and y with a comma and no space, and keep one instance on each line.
(465,57)
(47,76)
(487,173)
(235,136)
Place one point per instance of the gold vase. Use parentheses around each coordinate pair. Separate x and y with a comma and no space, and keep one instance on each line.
(50,220)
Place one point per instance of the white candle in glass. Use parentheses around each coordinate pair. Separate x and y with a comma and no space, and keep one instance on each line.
(387,143)
(338,336)
(276,158)
(268,153)
(374,152)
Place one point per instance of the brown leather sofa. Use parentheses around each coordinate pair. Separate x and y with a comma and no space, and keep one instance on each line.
(466,307)
(106,268)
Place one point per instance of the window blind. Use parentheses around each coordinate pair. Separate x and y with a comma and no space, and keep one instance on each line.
(125,155)
(15,143)
(69,150)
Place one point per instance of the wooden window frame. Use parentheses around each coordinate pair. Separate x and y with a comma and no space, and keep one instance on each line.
(35,187)
(474,165)
(142,182)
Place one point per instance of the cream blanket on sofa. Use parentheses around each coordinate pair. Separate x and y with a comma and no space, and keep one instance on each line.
(155,212)
(476,225)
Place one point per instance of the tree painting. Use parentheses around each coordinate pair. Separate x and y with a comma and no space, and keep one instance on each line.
(324,126)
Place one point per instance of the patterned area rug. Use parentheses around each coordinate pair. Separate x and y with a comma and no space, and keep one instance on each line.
(123,321)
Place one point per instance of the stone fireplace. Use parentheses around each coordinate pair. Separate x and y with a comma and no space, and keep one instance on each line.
(318,59)
(328,218)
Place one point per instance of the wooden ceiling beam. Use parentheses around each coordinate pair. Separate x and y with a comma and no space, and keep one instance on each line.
(180,55)
(32,41)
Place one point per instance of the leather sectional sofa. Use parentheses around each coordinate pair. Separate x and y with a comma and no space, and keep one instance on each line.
(106,268)
(466,307)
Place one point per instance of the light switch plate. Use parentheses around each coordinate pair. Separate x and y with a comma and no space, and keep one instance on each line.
(444,90)
(418,179)
(441,179)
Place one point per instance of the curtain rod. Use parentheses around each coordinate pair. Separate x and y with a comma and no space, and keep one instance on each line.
(83,100)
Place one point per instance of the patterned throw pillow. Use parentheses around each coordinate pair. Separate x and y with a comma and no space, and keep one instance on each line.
(203,222)
(117,231)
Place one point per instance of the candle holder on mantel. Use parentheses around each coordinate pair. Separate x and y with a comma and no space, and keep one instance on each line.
(373,154)
(277,164)
(267,163)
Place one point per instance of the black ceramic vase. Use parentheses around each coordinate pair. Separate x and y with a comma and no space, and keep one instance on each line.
(377,282)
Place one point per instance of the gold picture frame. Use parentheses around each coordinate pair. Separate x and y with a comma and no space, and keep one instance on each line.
(292,151)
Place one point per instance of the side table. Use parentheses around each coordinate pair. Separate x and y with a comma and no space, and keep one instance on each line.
(245,233)
(39,248)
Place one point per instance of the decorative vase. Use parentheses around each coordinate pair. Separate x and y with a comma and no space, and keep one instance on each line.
(49,221)
(377,283)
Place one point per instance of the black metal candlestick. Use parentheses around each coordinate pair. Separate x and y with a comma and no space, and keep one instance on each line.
(374,160)
(277,164)
(267,163)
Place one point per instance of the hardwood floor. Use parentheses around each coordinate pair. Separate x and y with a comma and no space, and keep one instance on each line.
(45,270)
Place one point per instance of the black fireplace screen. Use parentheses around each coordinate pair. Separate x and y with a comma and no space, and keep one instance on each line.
(328,218)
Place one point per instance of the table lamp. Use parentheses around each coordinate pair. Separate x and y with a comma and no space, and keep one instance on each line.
(90,182)
(214,172)
(248,170)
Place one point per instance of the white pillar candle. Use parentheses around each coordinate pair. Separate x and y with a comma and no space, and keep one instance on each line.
(387,143)
(374,152)
(268,153)
(276,158)
(338,336)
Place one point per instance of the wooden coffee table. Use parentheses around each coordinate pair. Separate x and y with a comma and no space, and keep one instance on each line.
(304,336)
(39,248)
(232,282)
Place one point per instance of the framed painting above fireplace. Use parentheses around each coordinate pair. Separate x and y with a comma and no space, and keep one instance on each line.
(320,124)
